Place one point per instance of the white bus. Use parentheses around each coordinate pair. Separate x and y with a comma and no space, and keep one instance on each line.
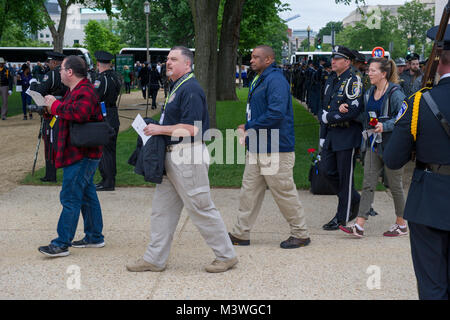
(304,56)
(156,54)
(20,55)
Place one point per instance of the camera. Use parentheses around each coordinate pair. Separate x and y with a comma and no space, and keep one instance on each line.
(38,109)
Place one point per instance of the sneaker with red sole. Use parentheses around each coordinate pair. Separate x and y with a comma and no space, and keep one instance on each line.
(352,230)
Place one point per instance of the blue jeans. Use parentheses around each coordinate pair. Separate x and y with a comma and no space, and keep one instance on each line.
(78,193)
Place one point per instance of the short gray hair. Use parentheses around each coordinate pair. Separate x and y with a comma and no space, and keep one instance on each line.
(185,52)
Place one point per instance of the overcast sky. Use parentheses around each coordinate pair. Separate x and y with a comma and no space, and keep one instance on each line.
(316,13)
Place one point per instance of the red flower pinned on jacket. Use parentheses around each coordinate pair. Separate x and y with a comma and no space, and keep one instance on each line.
(311,150)
(373,122)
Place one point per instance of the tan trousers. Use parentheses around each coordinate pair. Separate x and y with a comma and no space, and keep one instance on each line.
(274,171)
(4,95)
(186,185)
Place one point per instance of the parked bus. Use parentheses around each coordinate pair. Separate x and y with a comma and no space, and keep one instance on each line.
(304,56)
(20,55)
(156,54)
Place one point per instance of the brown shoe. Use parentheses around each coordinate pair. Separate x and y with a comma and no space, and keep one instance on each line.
(292,243)
(221,265)
(238,242)
(141,265)
(396,231)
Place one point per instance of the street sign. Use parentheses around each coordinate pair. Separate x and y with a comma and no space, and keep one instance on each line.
(378,52)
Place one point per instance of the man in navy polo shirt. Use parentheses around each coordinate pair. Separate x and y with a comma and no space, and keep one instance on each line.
(183,119)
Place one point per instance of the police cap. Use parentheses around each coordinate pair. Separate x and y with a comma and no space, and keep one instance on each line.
(400,62)
(414,56)
(51,55)
(342,52)
(431,33)
(103,56)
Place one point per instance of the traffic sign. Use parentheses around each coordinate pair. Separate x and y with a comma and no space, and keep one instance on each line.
(378,52)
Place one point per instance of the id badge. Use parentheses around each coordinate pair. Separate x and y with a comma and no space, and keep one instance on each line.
(161,120)
(249,112)
(52,123)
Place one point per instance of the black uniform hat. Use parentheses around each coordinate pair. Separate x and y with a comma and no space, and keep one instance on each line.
(342,52)
(414,56)
(431,33)
(103,56)
(55,56)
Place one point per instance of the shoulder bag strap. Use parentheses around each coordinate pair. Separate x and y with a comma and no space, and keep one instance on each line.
(437,113)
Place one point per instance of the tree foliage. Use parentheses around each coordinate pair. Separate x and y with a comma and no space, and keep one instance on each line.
(414,21)
(23,15)
(99,37)
(170,23)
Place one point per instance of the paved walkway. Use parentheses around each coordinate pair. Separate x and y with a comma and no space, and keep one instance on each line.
(333,266)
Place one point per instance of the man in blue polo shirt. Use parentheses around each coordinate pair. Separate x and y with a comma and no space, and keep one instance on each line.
(183,119)
(270,154)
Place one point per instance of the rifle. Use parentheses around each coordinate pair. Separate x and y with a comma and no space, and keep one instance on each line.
(438,46)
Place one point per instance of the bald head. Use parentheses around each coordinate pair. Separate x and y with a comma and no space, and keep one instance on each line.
(262,57)
(267,51)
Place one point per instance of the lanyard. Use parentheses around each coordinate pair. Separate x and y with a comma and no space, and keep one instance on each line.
(252,87)
(176,88)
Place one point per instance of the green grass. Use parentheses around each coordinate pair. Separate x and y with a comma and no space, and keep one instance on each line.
(14,103)
(229,115)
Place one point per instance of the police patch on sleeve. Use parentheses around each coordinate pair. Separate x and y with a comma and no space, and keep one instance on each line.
(45,78)
(402,111)
(97,84)
(356,88)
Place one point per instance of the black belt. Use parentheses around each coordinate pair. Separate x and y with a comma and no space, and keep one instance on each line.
(345,124)
(435,168)
(170,147)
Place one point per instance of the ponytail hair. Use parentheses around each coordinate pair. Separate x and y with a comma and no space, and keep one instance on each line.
(388,66)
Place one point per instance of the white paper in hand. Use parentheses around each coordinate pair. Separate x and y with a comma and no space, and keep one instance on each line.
(37,97)
(139,125)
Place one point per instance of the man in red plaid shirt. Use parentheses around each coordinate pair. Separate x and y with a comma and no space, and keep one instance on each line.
(80,104)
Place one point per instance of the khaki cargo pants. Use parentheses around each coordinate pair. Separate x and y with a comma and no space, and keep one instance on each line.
(275,171)
(186,185)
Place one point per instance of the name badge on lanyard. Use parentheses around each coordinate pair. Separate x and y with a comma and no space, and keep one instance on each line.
(171,97)
(252,87)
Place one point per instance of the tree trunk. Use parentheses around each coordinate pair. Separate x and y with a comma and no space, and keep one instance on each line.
(58,34)
(204,13)
(229,42)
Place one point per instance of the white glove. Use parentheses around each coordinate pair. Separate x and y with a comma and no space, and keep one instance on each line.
(9,92)
(324,116)
(321,142)
(33,80)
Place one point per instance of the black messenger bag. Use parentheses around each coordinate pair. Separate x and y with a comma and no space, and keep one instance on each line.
(91,134)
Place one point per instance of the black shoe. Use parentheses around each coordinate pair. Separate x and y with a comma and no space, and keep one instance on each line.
(293,243)
(45,179)
(103,188)
(25,117)
(332,225)
(99,184)
(372,212)
(238,242)
(31,116)
(54,251)
(84,244)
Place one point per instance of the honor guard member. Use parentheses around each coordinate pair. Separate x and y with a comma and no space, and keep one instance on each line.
(108,86)
(340,135)
(50,85)
(422,127)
